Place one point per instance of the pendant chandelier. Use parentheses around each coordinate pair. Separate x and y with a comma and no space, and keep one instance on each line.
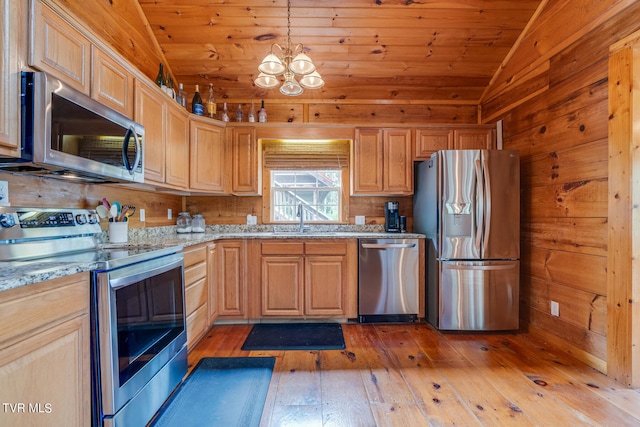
(291,63)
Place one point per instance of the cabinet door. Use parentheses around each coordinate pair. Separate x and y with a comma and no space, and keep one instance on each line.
(245,159)
(398,164)
(207,163)
(212,283)
(59,49)
(472,139)
(150,112)
(111,84)
(325,279)
(282,285)
(368,162)
(177,146)
(230,275)
(428,141)
(9,73)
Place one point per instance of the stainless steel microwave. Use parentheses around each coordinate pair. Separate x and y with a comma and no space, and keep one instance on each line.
(66,134)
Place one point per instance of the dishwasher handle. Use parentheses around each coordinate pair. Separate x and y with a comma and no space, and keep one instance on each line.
(388,245)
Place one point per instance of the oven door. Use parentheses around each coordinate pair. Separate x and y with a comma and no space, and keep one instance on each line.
(139,328)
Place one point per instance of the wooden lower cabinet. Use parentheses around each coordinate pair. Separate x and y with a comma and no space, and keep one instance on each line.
(230,278)
(45,354)
(309,279)
(196,290)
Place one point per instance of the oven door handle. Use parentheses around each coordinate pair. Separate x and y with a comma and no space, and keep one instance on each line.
(125,276)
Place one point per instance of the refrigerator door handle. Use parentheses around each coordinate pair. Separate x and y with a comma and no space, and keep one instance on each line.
(479,204)
(479,267)
(487,219)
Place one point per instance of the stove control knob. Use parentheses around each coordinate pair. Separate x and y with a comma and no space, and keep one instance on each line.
(81,219)
(93,218)
(7,220)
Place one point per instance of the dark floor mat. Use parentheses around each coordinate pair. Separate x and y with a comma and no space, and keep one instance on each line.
(225,391)
(295,336)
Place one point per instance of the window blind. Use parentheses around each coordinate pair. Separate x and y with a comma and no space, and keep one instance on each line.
(305,154)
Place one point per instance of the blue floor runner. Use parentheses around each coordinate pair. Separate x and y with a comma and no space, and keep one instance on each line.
(220,391)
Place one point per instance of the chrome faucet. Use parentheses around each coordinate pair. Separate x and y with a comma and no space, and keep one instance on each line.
(302,228)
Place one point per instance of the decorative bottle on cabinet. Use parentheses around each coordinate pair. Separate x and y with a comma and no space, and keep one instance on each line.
(211,103)
(225,113)
(252,113)
(196,103)
(262,114)
(182,96)
(239,113)
(160,81)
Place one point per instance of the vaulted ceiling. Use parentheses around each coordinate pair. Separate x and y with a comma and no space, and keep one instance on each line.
(440,50)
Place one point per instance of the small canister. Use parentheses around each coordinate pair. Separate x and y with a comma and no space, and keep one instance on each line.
(183,223)
(198,225)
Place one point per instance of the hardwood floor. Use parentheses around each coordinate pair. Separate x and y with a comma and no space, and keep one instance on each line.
(412,375)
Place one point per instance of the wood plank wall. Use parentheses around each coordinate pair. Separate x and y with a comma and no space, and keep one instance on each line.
(552,98)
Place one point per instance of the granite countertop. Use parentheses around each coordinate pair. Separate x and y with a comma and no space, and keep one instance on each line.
(15,274)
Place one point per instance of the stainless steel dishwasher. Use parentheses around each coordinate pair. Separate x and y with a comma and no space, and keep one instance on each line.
(388,280)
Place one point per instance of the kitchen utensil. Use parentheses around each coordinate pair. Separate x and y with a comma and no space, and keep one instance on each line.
(114,212)
(123,213)
(105,203)
(102,211)
(131,210)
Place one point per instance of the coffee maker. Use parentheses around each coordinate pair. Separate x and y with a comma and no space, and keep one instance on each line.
(391,217)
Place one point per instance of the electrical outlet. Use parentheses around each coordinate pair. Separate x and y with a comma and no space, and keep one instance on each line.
(359,219)
(142,215)
(555,308)
(169,214)
(4,193)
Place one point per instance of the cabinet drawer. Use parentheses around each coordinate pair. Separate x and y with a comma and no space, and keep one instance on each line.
(197,325)
(194,256)
(282,248)
(33,307)
(325,248)
(195,295)
(194,273)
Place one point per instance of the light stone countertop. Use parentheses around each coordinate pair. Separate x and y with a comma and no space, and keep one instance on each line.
(15,274)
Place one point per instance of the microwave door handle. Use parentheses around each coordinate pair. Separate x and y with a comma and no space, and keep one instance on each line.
(131,133)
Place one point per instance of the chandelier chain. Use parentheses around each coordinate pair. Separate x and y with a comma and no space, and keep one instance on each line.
(288,23)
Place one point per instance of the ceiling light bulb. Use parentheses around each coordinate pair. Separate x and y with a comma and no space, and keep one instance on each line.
(266,81)
(271,65)
(302,64)
(290,87)
(312,81)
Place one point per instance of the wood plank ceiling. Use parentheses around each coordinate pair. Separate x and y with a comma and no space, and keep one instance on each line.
(436,50)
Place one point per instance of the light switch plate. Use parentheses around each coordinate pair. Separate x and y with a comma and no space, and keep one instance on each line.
(142,215)
(252,219)
(169,214)
(359,219)
(555,308)
(4,193)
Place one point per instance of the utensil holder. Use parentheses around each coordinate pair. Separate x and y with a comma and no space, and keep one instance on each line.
(118,232)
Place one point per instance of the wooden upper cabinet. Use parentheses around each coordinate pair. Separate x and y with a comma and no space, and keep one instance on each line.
(111,83)
(368,161)
(9,76)
(177,146)
(246,178)
(59,49)
(480,138)
(428,141)
(207,165)
(150,113)
(382,162)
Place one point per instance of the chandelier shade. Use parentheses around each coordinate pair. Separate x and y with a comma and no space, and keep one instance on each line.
(289,63)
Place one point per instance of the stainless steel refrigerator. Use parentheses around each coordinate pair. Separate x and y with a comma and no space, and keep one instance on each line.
(467,203)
